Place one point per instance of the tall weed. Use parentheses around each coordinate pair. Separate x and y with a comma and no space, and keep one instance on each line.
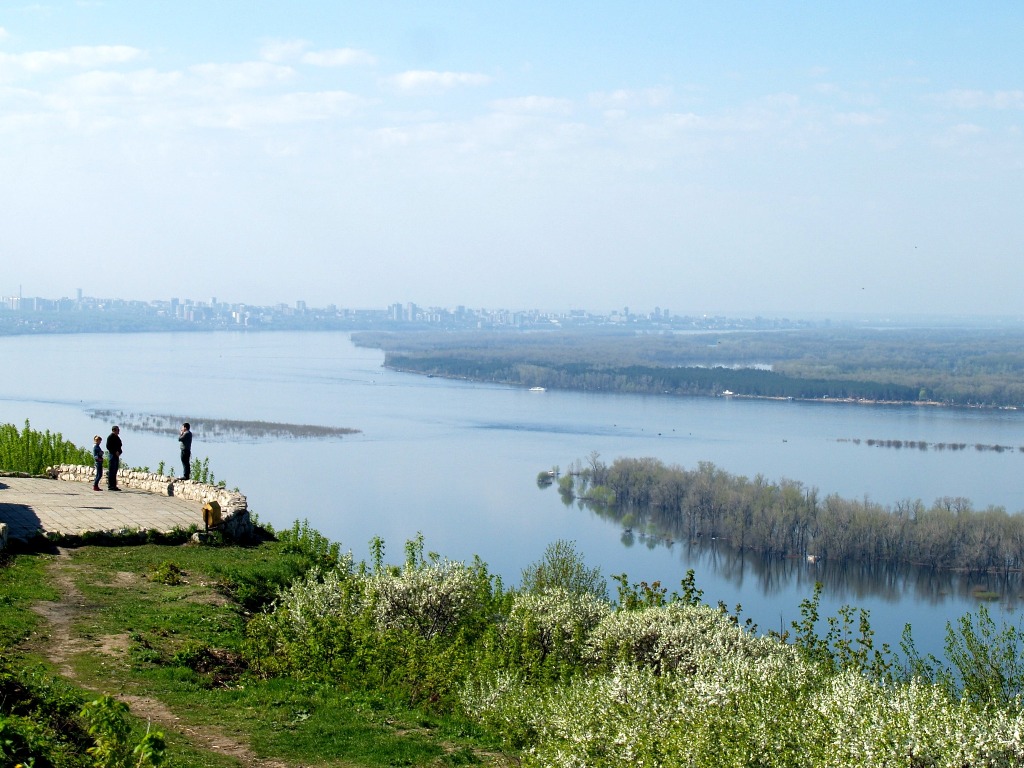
(31,451)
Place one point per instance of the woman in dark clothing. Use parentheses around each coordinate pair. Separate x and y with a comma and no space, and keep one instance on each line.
(97,455)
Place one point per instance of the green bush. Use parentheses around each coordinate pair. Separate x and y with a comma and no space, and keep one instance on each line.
(409,630)
(43,723)
(567,678)
(562,567)
(32,452)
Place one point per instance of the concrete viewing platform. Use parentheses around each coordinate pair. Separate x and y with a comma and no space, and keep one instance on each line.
(29,505)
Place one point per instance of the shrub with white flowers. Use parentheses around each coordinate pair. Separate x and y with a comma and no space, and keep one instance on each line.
(860,723)
(555,620)
(318,595)
(429,599)
(671,637)
(567,680)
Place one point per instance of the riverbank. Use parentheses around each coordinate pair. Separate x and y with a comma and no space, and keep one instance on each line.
(726,394)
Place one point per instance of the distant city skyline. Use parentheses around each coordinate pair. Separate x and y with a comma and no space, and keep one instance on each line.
(215,313)
(396,310)
(775,159)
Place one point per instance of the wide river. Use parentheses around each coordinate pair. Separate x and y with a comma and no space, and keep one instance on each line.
(458,461)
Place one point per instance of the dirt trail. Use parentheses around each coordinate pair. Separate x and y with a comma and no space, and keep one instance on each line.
(62,645)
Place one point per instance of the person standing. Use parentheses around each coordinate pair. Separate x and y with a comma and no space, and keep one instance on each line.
(97,455)
(185,439)
(114,446)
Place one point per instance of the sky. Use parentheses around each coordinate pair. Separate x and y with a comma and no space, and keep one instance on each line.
(773,158)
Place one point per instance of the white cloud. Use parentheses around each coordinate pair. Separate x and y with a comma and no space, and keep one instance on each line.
(282,50)
(246,75)
(958,136)
(858,119)
(975,99)
(535,105)
(427,80)
(3,34)
(139,83)
(296,107)
(626,99)
(286,109)
(81,57)
(339,57)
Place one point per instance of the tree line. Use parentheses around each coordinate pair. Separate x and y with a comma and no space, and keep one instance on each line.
(962,367)
(637,379)
(786,518)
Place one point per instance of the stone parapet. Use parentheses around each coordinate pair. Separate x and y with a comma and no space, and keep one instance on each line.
(235,520)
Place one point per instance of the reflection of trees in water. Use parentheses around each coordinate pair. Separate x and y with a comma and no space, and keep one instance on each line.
(788,519)
(219,429)
(848,582)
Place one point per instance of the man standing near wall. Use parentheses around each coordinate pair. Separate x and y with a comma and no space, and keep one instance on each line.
(185,439)
(114,446)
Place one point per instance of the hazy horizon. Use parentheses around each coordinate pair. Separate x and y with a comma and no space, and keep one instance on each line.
(782,160)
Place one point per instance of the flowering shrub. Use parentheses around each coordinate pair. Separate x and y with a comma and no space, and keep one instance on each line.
(408,630)
(673,637)
(775,710)
(567,680)
(309,629)
(549,631)
(429,599)
(858,723)
(642,709)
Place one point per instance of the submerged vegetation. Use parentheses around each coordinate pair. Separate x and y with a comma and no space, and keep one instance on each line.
(923,445)
(220,429)
(789,519)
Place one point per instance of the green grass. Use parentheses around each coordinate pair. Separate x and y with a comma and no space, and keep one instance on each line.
(23,582)
(141,634)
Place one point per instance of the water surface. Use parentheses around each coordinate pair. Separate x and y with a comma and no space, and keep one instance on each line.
(457,461)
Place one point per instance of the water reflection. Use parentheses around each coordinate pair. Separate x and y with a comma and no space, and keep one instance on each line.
(852,583)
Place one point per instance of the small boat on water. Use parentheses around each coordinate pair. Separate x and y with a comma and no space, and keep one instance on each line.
(537,389)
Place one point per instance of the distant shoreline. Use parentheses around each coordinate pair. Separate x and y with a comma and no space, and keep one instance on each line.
(730,396)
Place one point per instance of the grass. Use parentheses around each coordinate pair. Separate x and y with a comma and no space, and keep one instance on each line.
(158,623)
(22,583)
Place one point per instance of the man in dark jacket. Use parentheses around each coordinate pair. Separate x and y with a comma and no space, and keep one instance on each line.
(185,438)
(114,446)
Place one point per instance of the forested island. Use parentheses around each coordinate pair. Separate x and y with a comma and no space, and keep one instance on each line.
(967,367)
(787,518)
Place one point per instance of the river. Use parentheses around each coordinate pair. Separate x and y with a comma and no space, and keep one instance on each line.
(457,461)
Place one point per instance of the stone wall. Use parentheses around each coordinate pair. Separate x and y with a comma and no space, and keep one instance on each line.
(234,508)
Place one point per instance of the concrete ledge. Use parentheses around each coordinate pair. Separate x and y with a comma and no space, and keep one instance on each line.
(235,520)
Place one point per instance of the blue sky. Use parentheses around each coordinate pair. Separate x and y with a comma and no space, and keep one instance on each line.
(740,158)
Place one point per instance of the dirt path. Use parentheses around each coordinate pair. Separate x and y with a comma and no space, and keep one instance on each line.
(62,645)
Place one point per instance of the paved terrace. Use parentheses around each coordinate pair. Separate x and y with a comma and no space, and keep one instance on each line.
(30,504)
